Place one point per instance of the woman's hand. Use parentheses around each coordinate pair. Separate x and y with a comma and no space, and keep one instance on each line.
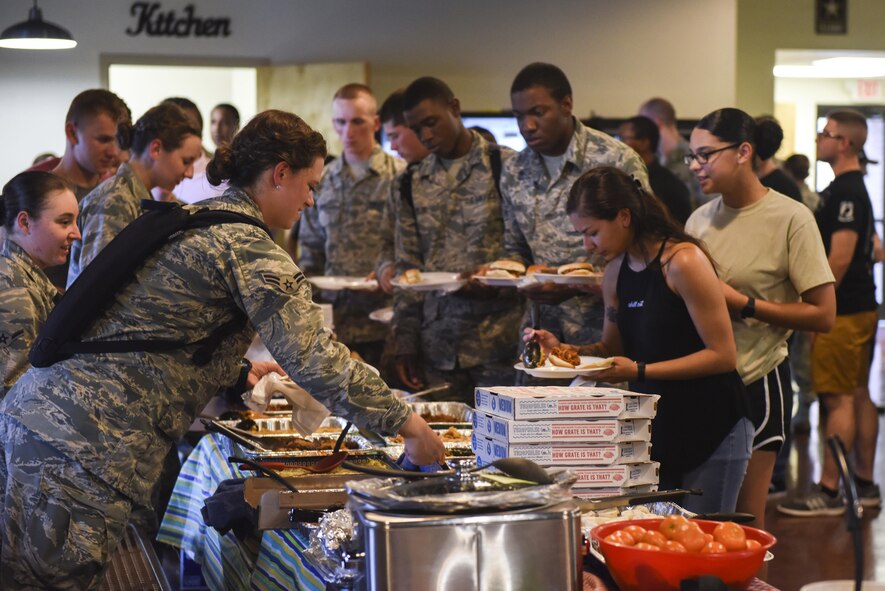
(261,369)
(622,370)
(422,445)
(543,338)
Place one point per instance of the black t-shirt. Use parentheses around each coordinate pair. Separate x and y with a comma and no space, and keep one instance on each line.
(669,189)
(845,205)
(783,184)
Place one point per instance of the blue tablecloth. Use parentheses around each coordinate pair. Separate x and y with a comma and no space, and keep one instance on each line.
(272,560)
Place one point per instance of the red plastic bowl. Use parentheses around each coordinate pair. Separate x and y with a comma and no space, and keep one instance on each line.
(646,570)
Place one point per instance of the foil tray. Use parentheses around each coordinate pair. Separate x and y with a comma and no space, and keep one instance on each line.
(434,412)
(454,449)
(282,425)
(263,444)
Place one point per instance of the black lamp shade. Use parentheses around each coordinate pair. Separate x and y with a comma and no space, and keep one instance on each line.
(35,33)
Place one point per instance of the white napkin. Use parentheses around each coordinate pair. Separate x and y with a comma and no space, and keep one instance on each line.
(307,413)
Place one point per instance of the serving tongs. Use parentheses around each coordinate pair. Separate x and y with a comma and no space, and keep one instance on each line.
(531,353)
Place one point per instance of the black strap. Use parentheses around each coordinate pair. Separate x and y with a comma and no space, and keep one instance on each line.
(495,158)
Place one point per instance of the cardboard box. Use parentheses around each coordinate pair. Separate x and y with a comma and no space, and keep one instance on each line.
(563,402)
(561,430)
(616,475)
(561,454)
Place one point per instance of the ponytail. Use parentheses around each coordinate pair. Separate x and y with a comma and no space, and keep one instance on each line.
(28,192)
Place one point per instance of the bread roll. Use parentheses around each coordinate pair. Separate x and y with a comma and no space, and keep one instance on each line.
(513,268)
(411,276)
(576,269)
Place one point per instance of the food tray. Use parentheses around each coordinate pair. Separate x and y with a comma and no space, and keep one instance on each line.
(460,412)
(254,443)
(333,480)
(282,425)
(454,449)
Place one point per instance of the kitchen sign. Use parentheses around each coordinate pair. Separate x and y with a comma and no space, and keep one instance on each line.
(151,21)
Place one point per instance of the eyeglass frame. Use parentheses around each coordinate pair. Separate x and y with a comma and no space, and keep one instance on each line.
(705,156)
(826,134)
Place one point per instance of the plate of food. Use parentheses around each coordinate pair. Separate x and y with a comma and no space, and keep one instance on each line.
(502,273)
(382,315)
(570,274)
(339,282)
(430,281)
(563,363)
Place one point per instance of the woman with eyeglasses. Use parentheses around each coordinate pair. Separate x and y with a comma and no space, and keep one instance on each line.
(774,274)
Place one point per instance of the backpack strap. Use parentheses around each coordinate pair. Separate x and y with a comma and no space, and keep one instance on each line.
(495,159)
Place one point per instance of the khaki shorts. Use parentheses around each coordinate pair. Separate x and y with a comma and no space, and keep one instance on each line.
(840,359)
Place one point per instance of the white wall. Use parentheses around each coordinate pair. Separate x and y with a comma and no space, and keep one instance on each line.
(616,53)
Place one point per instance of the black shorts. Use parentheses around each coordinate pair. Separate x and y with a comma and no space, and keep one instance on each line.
(771,407)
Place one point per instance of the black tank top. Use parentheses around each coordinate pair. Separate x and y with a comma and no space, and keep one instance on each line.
(695,415)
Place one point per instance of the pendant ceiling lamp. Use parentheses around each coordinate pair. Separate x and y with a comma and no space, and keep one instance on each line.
(35,33)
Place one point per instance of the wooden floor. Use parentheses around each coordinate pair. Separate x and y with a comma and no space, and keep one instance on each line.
(820,548)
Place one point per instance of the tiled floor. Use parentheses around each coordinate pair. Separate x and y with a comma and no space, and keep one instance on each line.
(820,548)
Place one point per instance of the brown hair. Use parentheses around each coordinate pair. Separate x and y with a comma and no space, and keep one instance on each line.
(97,101)
(166,122)
(269,138)
(28,192)
(855,125)
(604,191)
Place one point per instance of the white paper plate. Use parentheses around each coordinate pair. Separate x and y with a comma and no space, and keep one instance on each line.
(595,279)
(382,315)
(434,281)
(555,372)
(340,282)
(499,281)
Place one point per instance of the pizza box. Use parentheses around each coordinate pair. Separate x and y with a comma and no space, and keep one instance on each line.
(615,476)
(561,454)
(561,430)
(564,402)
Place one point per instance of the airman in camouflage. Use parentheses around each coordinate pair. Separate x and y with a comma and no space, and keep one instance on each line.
(452,222)
(109,208)
(26,298)
(113,416)
(536,183)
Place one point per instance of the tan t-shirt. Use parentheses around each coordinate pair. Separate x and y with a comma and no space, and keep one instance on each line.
(771,250)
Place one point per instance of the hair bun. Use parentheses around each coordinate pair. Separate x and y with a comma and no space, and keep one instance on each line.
(221,167)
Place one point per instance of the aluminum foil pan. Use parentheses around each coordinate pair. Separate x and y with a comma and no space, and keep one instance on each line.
(272,444)
(282,425)
(454,449)
(444,413)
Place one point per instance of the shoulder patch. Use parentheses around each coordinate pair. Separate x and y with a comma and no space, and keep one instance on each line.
(284,283)
(846,211)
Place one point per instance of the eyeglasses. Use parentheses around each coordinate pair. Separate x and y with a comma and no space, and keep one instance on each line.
(703,157)
(826,134)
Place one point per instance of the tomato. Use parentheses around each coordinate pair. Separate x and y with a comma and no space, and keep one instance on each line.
(710,538)
(690,536)
(730,535)
(674,546)
(753,545)
(713,548)
(669,525)
(655,538)
(644,546)
(637,531)
(620,537)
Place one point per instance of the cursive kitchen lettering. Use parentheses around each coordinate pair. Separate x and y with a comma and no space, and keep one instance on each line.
(154,23)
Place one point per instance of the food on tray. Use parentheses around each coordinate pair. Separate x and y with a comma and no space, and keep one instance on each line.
(432,417)
(504,269)
(591,519)
(451,435)
(294,470)
(577,269)
(543,269)
(247,425)
(411,276)
(564,357)
(320,443)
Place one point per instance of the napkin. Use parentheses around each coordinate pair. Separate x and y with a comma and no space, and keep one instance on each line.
(307,413)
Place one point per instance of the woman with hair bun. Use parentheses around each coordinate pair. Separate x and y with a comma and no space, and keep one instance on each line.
(769,136)
(39,215)
(83,441)
(774,273)
(163,145)
(667,328)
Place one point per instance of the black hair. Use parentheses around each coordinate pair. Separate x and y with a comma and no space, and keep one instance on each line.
(166,122)
(269,138)
(545,75)
(730,125)
(769,136)
(231,110)
(189,107)
(426,88)
(604,191)
(28,192)
(645,129)
(392,108)
(798,166)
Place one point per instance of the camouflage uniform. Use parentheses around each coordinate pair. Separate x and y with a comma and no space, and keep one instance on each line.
(115,415)
(538,230)
(26,298)
(675,163)
(103,213)
(342,235)
(455,227)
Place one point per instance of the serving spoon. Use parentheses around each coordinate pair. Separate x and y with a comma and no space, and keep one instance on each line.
(531,353)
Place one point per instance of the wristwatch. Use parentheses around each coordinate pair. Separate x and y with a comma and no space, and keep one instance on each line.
(750,309)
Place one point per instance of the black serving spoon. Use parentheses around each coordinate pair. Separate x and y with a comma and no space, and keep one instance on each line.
(531,353)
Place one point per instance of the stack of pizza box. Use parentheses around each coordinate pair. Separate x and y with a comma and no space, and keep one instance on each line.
(603,435)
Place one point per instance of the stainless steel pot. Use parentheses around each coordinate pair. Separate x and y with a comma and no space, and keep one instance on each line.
(523,550)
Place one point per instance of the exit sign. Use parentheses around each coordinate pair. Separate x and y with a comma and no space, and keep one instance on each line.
(867,89)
